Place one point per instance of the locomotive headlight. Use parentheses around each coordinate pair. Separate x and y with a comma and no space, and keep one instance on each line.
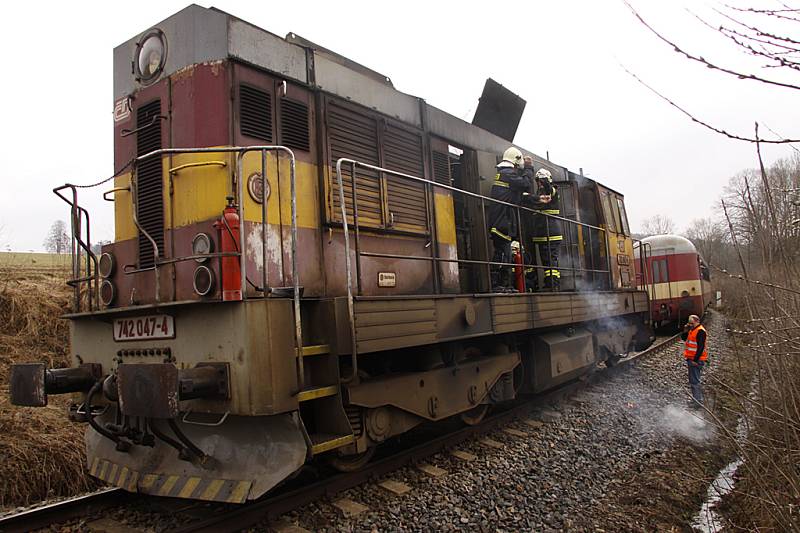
(107,292)
(105,265)
(151,54)
(203,281)
(202,245)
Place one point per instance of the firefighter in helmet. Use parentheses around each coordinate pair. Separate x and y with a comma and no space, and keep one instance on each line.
(547,235)
(513,178)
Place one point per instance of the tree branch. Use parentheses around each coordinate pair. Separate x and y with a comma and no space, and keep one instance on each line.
(703,61)
(702,123)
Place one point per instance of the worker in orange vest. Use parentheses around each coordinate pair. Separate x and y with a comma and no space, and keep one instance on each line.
(696,354)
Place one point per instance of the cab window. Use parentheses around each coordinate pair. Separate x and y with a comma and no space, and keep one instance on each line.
(623,216)
(605,199)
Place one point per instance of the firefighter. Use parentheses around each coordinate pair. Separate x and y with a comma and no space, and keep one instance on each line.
(547,235)
(513,178)
(696,355)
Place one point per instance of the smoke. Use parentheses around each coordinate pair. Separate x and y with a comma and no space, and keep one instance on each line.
(689,424)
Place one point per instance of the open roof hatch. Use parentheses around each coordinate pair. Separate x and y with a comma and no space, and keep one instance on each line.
(499,110)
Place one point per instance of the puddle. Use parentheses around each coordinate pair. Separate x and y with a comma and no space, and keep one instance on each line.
(708,519)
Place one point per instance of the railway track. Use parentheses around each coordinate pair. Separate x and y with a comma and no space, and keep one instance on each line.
(219,517)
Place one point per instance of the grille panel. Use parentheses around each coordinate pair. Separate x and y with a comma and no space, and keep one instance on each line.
(255,113)
(149,187)
(294,124)
(441,167)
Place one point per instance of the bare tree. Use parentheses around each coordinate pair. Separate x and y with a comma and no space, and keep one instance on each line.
(658,225)
(761,214)
(710,238)
(57,241)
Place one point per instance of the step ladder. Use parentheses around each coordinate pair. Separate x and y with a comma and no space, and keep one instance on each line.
(320,399)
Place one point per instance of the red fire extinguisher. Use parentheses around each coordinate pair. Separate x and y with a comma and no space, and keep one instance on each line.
(519,271)
(229,240)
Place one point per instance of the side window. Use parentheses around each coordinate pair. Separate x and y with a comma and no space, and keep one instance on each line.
(656,272)
(623,216)
(664,271)
(607,213)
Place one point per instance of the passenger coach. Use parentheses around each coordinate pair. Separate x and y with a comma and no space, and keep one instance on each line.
(677,279)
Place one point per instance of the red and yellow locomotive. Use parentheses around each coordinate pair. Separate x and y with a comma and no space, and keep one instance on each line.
(301,268)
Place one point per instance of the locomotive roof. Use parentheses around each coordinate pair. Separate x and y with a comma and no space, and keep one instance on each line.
(661,244)
(197,35)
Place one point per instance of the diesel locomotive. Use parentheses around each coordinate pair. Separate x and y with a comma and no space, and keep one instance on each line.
(300,269)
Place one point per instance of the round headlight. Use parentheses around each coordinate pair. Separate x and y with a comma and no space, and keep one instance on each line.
(106,265)
(151,54)
(203,281)
(202,244)
(107,292)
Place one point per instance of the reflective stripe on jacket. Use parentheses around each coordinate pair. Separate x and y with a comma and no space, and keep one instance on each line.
(691,345)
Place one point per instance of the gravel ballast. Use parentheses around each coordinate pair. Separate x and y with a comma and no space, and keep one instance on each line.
(573,468)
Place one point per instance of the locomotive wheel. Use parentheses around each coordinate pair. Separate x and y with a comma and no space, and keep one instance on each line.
(474,416)
(351,463)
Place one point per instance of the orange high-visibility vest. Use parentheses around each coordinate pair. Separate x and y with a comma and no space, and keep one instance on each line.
(691,345)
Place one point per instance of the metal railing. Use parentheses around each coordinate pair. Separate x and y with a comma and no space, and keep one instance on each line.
(79,242)
(434,259)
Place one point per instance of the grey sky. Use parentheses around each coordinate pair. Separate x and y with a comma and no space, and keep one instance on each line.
(562,57)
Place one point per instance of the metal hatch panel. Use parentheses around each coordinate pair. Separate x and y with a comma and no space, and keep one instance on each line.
(499,110)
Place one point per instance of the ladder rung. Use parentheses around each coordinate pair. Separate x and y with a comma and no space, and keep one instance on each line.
(324,443)
(315,349)
(319,392)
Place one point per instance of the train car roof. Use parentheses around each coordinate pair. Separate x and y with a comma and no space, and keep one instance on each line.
(670,244)
(197,35)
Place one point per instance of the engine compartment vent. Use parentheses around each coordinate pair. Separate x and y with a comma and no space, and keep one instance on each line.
(294,124)
(255,113)
(149,185)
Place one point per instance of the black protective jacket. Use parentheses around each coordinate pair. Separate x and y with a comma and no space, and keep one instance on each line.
(546,229)
(508,186)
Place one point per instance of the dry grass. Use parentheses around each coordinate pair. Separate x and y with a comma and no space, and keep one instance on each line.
(41,452)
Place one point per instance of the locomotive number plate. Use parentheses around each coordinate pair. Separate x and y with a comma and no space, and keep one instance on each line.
(144,328)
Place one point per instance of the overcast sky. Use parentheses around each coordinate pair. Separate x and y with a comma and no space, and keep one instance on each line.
(563,57)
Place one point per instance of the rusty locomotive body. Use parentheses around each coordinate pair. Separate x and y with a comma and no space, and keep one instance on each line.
(300,269)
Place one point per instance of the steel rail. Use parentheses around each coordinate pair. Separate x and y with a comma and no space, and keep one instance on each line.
(86,504)
(271,507)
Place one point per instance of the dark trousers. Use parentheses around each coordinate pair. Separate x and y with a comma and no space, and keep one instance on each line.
(694,381)
(501,275)
(548,254)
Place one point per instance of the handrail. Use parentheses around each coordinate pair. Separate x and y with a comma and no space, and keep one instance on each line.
(348,269)
(78,212)
(114,190)
(433,258)
(177,169)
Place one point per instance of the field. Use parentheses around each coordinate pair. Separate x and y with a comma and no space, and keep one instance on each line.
(32,260)
(41,453)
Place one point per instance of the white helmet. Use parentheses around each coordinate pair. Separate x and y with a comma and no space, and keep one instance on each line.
(514,156)
(544,174)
